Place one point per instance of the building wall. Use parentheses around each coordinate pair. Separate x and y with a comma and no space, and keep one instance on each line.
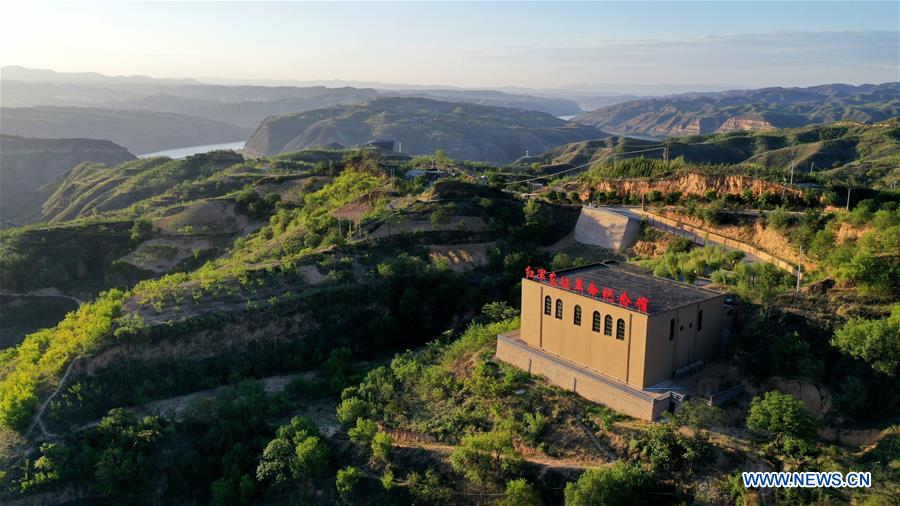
(688,345)
(644,358)
(620,397)
(621,359)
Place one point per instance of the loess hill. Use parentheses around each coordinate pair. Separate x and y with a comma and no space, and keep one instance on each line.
(464,131)
(762,109)
(30,167)
(847,151)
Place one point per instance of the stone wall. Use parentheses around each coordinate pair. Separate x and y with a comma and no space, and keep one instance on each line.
(590,385)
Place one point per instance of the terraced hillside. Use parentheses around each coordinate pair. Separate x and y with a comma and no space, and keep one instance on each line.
(464,131)
(273,303)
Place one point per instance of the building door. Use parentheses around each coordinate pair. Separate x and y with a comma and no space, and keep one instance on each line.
(684,351)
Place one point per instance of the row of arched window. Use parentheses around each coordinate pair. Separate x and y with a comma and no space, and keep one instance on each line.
(596,321)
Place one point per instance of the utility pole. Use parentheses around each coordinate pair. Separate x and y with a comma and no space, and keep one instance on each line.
(799,275)
(666,154)
(400,146)
(848,198)
(792,173)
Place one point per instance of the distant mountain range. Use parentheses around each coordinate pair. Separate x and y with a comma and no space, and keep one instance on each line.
(465,131)
(30,167)
(762,109)
(242,105)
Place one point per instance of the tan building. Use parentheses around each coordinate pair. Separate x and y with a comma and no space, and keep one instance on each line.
(615,335)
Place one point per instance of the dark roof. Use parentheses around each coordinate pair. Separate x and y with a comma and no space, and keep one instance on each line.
(664,294)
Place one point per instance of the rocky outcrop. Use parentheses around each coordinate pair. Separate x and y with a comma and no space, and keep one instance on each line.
(743,124)
(27,165)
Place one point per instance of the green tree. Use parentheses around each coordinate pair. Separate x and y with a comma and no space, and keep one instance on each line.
(622,484)
(141,229)
(877,342)
(297,452)
(382,444)
(484,456)
(352,408)
(521,493)
(363,432)
(784,419)
(346,481)
(336,372)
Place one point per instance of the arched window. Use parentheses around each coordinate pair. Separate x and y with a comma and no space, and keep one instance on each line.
(577,317)
(595,326)
(620,329)
(548,303)
(672,329)
(700,321)
(607,325)
(559,309)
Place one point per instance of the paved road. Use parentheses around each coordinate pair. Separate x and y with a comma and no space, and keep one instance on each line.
(639,214)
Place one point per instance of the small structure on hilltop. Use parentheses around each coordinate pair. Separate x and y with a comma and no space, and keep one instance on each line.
(383,144)
(618,336)
(607,229)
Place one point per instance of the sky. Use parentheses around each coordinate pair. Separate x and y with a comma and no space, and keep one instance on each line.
(481,44)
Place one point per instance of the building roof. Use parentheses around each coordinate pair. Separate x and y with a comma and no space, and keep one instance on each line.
(663,294)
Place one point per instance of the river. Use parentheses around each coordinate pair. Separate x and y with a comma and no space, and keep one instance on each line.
(193,150)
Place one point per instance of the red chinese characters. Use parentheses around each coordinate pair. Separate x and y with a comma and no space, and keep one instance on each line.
(565,283)
(552,279)
(624,300)
(608,294)
(593,290)
(529,272)
(542,274)
(642,304)
(579,285)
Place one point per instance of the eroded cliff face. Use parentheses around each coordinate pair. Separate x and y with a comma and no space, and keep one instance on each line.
(745,124)
(690,183)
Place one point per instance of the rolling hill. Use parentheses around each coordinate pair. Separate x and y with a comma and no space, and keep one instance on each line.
(27,165)
(848,151)
(737,110)
(466,131)
(139,131)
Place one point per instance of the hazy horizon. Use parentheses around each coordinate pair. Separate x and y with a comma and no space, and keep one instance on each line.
(690,45)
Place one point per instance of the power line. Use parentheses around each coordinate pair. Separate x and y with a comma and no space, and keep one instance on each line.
(583,165)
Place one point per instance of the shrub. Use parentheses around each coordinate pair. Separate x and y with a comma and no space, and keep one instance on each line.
(297,452)
(784,419)
(484,456)
(521,493)
(779,219)
(622,484)
(351,409)
(364,431)
(877,342)
(346,481)
(381,447)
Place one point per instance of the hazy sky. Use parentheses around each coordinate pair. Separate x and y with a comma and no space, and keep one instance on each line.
(464,44)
